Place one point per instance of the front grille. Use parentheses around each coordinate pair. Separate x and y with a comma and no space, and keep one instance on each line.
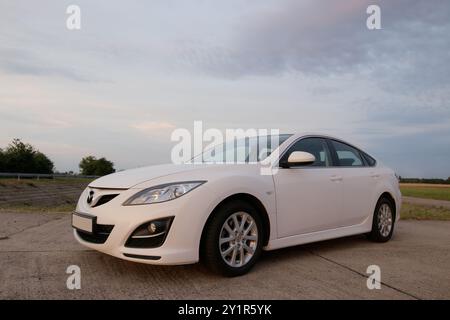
(100,235)
(104,199)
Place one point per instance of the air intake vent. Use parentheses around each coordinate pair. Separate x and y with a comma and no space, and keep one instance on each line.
(99,236)
(104,199)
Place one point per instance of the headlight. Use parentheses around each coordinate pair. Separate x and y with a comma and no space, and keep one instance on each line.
(162,193)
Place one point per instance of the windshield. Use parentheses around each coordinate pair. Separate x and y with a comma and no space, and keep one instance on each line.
(246,150)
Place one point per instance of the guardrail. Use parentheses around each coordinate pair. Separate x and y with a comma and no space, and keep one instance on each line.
(38,176)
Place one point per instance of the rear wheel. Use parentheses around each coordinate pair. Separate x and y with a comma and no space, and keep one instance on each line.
(383,221)
(233,238)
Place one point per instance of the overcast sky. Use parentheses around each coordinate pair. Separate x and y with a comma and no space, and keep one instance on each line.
(139,69)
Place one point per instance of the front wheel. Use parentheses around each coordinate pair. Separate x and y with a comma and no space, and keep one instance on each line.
(233,239)
(383,221)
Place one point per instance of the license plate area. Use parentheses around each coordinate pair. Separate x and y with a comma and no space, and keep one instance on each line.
(84,222)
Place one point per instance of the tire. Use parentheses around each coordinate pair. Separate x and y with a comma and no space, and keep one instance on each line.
(245,256)
(383,217)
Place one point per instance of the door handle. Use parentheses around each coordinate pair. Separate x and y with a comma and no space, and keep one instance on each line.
(336,178)
(374,175)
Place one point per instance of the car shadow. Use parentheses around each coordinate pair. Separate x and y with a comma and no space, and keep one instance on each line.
(268,258)
(297,251)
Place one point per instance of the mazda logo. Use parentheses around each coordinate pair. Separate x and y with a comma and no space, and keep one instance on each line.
(90,197)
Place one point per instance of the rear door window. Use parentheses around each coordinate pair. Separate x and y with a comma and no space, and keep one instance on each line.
(369,160)
(347,156)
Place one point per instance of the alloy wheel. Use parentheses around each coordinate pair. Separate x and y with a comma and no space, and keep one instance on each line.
(385,220)
(238,239)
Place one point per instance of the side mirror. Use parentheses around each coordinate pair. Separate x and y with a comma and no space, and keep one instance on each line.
(299,158)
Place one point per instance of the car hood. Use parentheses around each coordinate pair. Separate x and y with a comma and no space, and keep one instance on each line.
(129,178)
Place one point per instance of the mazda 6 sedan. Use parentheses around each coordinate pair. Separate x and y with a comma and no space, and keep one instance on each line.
(306,188)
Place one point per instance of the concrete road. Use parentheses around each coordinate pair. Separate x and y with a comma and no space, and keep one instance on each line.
(36,249)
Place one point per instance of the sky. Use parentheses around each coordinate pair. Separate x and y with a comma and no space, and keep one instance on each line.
(137,70)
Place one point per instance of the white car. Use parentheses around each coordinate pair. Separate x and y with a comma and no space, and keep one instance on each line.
(226,214)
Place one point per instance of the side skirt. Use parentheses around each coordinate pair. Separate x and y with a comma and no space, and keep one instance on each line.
(290,241)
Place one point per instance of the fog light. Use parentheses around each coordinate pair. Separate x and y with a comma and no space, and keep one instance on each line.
(152,228)
(150,234)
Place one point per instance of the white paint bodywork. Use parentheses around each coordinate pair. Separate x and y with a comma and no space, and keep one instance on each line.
(303,205)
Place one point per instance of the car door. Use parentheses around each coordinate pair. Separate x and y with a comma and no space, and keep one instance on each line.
(309,198)
(357,183)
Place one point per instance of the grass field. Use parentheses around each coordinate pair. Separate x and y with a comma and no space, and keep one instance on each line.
(426,191)
(37,209)
(409,211)
(417,212)
(33,182)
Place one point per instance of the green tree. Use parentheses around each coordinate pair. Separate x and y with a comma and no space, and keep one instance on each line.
(92,166)
(24,158)
(2,161)
(42,164)
(87,165)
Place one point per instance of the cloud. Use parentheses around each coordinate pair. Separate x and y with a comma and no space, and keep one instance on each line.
(325,37)
(291,64)
(153,126)
(34,120)
(22,62)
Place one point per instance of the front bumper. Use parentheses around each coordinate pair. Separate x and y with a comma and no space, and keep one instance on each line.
(181,245)
(163,255)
